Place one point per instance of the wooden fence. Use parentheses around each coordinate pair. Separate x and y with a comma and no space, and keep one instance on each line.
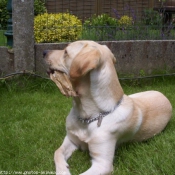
(85,9)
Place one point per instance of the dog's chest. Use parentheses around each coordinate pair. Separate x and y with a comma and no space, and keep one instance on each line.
(79,133)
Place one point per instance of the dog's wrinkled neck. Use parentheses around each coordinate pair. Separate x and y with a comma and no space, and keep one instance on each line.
(95,96)
(99,117)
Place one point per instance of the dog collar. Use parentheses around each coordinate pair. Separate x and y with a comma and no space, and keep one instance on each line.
(99,116)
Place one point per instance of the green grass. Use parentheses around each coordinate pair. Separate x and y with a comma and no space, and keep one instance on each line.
(2,38)
(32,127)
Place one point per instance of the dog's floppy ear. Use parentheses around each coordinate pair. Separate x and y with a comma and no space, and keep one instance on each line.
(85,61)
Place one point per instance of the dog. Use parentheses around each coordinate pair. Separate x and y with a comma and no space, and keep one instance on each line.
(102,116)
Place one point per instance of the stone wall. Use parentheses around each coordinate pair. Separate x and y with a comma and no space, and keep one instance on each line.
(132,57)
(6,61)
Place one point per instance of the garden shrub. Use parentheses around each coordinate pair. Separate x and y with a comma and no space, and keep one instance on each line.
(125,21)
(151,18)
(100,27)
(39,7)
(3,14)
(104,27)
(101,20)
(56,27)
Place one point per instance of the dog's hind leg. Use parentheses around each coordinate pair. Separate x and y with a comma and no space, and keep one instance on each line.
(61,156)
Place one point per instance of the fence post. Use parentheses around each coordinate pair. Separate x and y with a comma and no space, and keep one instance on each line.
(23,34)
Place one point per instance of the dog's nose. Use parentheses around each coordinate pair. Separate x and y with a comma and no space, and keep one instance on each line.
(45,53)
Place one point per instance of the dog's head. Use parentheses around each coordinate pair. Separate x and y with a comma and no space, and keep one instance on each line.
(84,61)
(78,58)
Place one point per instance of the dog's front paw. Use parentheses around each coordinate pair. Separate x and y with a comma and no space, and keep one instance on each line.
(62,173)
(62,170)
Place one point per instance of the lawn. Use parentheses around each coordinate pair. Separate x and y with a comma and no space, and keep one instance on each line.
(32,127)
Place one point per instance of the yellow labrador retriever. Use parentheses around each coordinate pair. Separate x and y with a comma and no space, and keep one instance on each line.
(102,116)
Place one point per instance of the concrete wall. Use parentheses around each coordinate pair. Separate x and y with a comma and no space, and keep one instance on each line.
(132,57)
(6,61)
